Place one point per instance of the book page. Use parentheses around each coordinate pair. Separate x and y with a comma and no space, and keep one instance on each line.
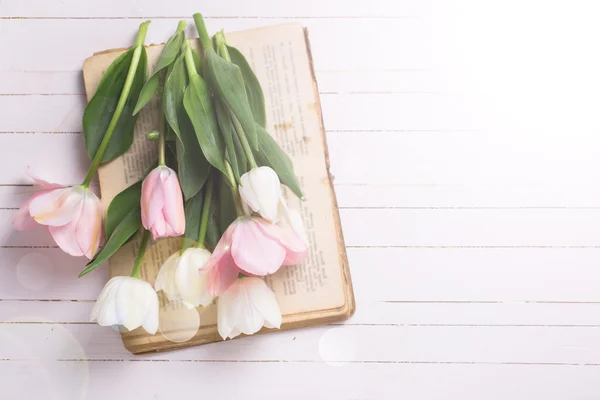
(280,58)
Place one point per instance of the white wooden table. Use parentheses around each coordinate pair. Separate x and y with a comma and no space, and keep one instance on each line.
(464,139)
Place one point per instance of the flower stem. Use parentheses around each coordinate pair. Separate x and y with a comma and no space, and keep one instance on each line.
(203,33)
(243,140)
(208,194)
(234,190)
(135,273)
(161,140)
(139,47)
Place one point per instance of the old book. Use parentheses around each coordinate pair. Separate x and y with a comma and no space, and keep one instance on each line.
(317,292)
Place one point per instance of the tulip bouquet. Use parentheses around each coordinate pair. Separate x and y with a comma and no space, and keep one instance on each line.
(217,184)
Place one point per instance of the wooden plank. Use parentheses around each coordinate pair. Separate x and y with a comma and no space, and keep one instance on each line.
(185,8)
(413,275)
(47,273)
(171,380)
(467,196)
(421,196)
(475,274)
(431,228)
(370,312)
(402,157)
(471,227)
(562,345)
(506,276)
(40,82)
(333,41)
(330,82)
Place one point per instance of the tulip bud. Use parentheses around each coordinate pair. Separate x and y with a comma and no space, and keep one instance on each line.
(260,190)
(128,302)
(247,294)
(162,203)
(73,216)
(181,278)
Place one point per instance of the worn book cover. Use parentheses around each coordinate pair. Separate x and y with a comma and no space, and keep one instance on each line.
(319,291)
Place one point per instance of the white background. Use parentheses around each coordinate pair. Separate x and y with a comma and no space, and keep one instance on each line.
(464,140)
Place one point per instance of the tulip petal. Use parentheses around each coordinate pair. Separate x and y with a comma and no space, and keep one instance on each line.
(104,311)
(21,219)
(165,279)
(147,190)
(191,280)
(89,227)
(222,275)
(151,320)
(155,206)
(41,182)
(65,236)
(292,219)
(263,299)
(173,205)
(57,207)
(253,251)
(261,190)
(295,247)
(245,307)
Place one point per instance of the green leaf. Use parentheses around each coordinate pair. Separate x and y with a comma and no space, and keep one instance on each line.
(242,160)
(271,155)
(193,213)
(100,109)
(172,101)
(193,168)
(128,227)
(226,208)
(254,91)
(167,57)
(198,105)
(226,81)
(212,232)
(146,93)
(123,203)
(228,131)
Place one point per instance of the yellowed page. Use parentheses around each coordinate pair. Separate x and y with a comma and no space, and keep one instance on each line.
(281,60)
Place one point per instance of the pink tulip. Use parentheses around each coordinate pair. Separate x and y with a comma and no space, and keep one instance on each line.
(73,216)
(162,203)
(255,247)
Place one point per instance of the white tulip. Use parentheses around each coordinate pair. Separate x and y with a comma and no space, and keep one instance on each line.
(129,302)
(180,278)
(245,307)
(291,218)
(260,190)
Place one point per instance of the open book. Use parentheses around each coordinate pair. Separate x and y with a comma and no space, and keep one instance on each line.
(318,291)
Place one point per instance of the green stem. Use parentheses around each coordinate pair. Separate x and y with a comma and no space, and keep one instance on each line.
(234,190)
(203,33)
(208,194)
(161,140)
(139,47)
(243,140)
(135,273)
(181,25)
(189,60)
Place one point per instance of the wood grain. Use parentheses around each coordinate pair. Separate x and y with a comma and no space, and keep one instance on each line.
(463,141)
